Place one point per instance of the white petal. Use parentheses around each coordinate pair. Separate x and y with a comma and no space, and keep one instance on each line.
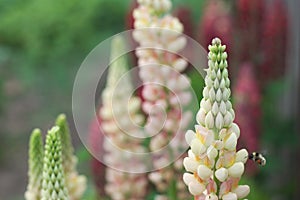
(221,174)
(235,129)
(177,45)
(180,64)
(191,154)
(190,164)
(211,197)
(241,156)
(231,142)
(212,152)
(204,172)
(189,136)
(196,188)
(236,170)
(197,147)
(230,196)
(201,116)
(219,144)
(187,178)
(242,191)
(222,133)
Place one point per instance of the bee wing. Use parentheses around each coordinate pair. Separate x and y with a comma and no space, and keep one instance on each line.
(264,152)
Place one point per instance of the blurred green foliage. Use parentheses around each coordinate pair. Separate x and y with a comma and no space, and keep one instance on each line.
(55,35)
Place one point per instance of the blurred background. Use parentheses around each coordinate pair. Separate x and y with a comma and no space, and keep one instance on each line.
(42,44)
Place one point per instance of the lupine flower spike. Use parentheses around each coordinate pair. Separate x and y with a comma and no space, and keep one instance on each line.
(115,121)
(75,183)
(164,84)
(53,186)
(35,166)
(213,166)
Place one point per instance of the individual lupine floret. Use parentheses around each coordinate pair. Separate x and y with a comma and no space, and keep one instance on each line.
(119,124)
(35,163)
(76,184)
(53,186)
(214,167)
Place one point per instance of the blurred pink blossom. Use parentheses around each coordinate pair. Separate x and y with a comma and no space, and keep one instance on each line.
(96,145)
(247,98)
(184,14)
(216,22)
(249,23)
(274,44)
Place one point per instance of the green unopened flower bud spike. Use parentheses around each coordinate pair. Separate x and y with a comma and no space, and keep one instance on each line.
(76,184)
(53,186)
(35,166)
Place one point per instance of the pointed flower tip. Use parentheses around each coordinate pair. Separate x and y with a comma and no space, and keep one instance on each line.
(117,47)
(61,119)
(118,41)
(216,41)
(53,131)
(36,135)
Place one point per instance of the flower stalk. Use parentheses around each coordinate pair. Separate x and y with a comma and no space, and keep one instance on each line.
(53,186)
(52,169)
(119,123)
(164,89)
(213,165)
(76,184)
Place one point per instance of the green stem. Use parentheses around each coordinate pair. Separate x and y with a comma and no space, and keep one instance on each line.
(216,133)
(172,190)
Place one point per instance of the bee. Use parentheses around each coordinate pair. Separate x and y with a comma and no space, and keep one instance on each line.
(258,158)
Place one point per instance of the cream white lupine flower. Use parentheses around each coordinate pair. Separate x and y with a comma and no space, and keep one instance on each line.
(165,88)
(53,185)
(76,184)
(119,130)
(35,163)
(213,166)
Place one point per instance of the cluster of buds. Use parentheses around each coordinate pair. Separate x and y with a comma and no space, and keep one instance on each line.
(119,123)
(213,166)
(164,88)
(53,186)
(36,154)
(76,184)
(52,172)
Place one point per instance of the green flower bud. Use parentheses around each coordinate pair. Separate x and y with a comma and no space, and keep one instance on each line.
(53,186)
(75,183)
(35,166)
(217,89)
